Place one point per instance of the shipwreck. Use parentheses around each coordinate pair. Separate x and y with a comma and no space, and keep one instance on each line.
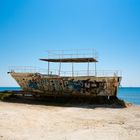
(71,82)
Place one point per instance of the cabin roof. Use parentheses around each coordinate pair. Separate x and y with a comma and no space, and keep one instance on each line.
(68,60)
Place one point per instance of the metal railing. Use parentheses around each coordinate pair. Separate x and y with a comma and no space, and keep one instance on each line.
(99,73)
(27,69)
(72,53)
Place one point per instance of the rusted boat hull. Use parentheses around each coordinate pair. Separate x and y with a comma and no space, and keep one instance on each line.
(44,85)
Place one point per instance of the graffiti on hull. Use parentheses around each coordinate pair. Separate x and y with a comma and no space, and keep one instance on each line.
(92,86)
(78,86)
(33,84)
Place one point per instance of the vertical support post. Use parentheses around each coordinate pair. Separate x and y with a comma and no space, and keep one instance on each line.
(93,53)
(48,68)
(88,69)
(95,69)
(59,68)
(72,69)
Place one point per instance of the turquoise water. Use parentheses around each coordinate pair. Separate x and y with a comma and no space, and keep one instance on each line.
(129,94)
(9,88)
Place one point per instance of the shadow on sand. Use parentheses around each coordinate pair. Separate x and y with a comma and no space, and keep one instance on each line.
(90,103)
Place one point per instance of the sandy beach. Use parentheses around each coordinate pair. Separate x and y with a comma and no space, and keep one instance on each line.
(20,121)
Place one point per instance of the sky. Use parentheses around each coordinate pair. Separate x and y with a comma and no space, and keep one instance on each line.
(28,28)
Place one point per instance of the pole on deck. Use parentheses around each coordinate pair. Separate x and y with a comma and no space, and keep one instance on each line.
(72,70)
(88,69)
(95,70)
(59,68)
(48,68)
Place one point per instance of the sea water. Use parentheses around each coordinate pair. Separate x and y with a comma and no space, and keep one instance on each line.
(129,94)
(9,88)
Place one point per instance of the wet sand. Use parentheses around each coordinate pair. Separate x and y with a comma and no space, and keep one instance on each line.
(20,121)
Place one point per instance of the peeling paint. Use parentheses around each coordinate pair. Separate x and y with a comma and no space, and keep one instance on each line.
(97,86)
